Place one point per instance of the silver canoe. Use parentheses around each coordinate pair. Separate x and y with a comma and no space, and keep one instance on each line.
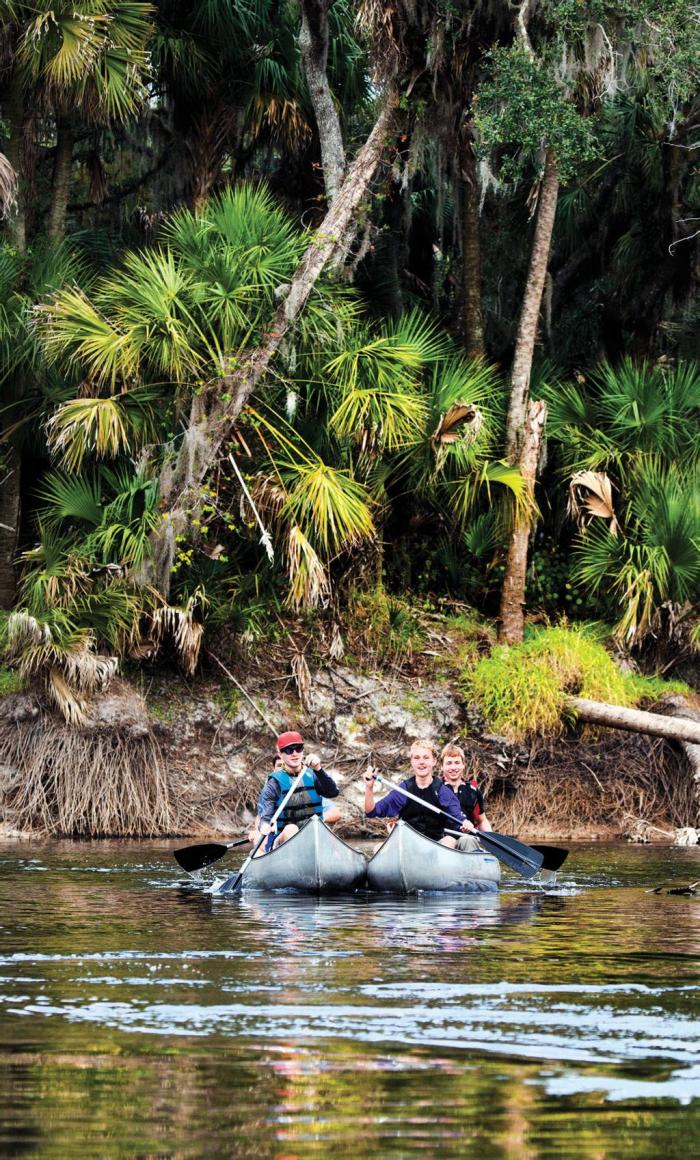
(315,861)
(408,862)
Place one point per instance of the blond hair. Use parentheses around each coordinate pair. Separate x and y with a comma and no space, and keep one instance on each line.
(420,743)
(451,750)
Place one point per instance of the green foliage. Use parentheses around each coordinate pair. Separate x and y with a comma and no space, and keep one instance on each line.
(92,53)
(657,559)
(383,626)
(637,423)
(371,431)
(523,107)
(10,682)
(522,690)
(616,413)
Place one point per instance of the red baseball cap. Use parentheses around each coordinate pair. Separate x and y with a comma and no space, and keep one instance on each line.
(289,739)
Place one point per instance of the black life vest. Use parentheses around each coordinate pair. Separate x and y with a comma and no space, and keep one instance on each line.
(304,802)
(420,818)
(471,800)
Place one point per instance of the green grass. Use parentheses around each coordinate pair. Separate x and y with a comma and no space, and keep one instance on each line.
(470,637)
(414,704)
(385,624)
(229,698)
(10,682)
(522,690)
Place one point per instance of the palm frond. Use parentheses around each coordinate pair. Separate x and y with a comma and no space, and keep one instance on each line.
(328,505)
(72,328)
(70,497)
(309,584)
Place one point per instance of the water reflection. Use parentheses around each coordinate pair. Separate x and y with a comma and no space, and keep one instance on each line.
(280,1025)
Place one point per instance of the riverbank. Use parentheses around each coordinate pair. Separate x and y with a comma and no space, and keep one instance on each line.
(188,757)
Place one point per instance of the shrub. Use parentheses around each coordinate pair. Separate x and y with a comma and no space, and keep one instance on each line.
(522,690)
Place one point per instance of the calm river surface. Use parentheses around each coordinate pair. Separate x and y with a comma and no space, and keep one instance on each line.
(141,1016)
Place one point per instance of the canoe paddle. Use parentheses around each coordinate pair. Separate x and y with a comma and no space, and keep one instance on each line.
(233,882)
(554,856)
(194,858)
(523,859)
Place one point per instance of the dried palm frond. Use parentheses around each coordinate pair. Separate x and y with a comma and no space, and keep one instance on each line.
(8,186)
(461,423)
(187,632)
(269,495)
(302,677)
(69,703)
(638,599)
(336,649)
(309,581)
(591,492)
(23,630)
(63,658)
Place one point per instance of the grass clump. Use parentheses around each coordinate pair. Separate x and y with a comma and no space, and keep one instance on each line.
(469,638)
(522,690)
(383,627)
(10,682)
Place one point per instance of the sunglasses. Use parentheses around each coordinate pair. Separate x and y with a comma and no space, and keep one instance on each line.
(292,748)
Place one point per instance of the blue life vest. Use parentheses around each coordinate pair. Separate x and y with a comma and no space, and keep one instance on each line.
(304,802)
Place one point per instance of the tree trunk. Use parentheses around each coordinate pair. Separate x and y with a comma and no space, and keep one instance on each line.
(313,46)
(14,151)
(530,310)
(512,610)
(471,254)
(63,164)
(212,419)
(680,729)
(9,524)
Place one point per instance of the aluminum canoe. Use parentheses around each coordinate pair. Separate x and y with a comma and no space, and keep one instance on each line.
(408,862)
(314,861)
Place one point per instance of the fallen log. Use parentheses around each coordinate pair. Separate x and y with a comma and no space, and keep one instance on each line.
(635,720)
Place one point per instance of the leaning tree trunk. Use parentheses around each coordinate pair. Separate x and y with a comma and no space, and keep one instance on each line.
(9,524)
(512,611)
(530,310)
(471,254)
(63,164)
(313,47)
(683,729)
(212,418)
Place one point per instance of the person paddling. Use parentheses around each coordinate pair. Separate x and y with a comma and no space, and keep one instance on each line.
(425,786)
(306,799)
(453,766)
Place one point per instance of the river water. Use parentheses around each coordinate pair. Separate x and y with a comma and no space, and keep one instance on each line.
(142,1016)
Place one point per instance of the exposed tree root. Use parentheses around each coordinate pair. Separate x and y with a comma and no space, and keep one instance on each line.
(78,783)
(594,788)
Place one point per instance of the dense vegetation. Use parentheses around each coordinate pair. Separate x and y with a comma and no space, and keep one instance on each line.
(245,375)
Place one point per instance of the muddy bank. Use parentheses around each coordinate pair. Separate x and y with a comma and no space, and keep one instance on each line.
(189,758)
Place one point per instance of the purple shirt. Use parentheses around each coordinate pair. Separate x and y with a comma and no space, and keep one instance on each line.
(391,805)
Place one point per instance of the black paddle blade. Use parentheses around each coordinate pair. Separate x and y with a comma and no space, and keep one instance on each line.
(193,858)
(554,856)
(525,860)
